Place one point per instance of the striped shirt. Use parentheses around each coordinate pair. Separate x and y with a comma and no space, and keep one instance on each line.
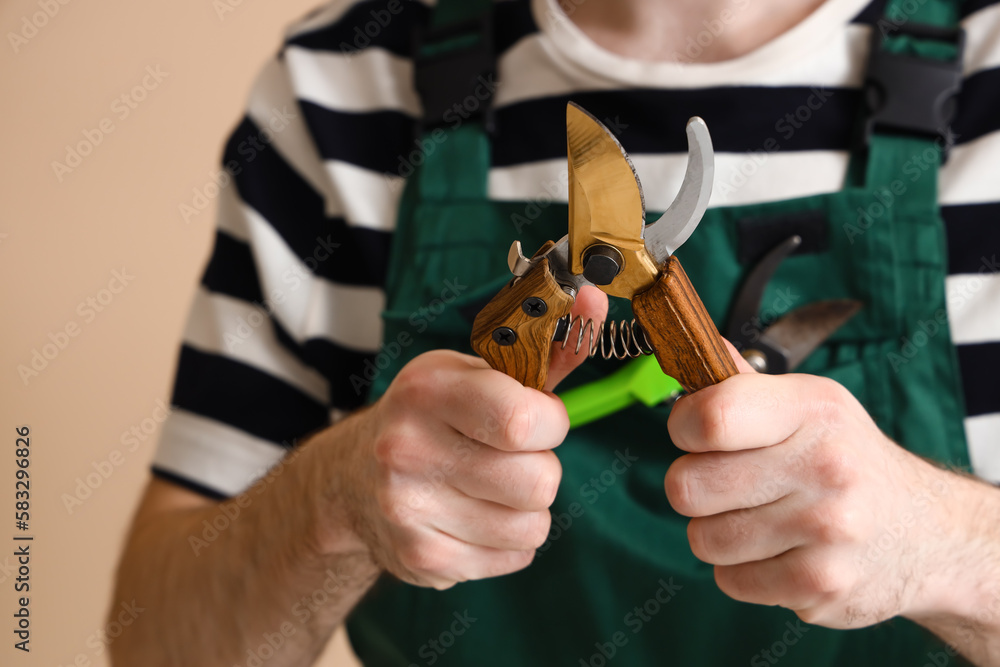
(289,305)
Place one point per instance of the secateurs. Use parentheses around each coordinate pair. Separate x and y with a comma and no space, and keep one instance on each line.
(772,347)
(610,246)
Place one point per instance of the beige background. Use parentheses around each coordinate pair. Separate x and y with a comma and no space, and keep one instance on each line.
(60,242)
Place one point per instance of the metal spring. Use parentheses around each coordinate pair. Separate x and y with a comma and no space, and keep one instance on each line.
(619,339)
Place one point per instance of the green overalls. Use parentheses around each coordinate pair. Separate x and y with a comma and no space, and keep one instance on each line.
(616,582)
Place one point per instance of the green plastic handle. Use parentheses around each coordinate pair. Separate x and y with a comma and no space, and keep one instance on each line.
(638,381)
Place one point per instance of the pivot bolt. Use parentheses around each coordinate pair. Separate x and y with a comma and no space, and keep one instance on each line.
(601,263)
(504,336)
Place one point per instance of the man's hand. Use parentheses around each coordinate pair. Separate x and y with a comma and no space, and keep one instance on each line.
(799,500)
(453,475)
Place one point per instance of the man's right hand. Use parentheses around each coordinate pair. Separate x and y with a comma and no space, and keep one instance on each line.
(453,472)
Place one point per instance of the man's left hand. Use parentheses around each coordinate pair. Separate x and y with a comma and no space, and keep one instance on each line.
(799,500)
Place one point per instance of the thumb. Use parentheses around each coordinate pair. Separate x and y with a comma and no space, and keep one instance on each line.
(741,364)
(591,303)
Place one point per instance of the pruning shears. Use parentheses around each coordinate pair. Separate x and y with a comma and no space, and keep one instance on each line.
(610,246)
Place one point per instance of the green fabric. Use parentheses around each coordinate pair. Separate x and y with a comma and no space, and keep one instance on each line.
(617,582)
(449,12)
(943,13)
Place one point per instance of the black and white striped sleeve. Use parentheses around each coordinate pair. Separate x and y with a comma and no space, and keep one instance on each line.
(289,305)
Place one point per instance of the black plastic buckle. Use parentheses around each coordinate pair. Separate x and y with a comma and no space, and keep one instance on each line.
(456,82)
(906,94)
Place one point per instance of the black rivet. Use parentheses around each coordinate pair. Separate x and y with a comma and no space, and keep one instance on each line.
(534,307)
(504,336)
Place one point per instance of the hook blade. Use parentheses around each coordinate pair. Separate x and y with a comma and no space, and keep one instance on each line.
(679,221)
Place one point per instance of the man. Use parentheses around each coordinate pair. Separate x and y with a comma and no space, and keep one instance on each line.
(780,491)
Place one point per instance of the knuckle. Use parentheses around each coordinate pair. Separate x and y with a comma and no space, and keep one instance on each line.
(426,556)
(546,484)
(835,523)
(820,576)
(715,417)
(829,400)
(523,559)
(538,529)
(392,507)
(679,487)
(738,582)
(410,381)
(716,539)
(420,382)
(518,420)
(812,615)
(524,530)
(700,541)
(392,448)
(835,468)
(507,562)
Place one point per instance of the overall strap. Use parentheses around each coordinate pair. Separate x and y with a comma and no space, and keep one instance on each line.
(913,75)
(455,77)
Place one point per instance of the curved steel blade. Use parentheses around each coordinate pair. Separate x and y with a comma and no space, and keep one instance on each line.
(804,329)
(675,226)
(605,197)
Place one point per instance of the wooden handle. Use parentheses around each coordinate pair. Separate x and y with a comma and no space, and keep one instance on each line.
(683,337)
(526,355)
